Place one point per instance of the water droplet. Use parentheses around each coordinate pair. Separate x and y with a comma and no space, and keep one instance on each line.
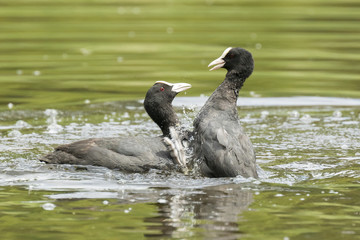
(108,175)
(19,72)
(294,114)
(136,10)
(264,114)
(306,118)
(128,122)
(54,128)
(22,124)
(258,46)
(121,10)
(37,73)
(105,202)
(253,94)
(125,115)
(85,51)
(279,195)
(337,114)
(87,101)
(253,36)
(344,146)
(48,206)
(10,105)
(162,201)
(120,59)
(51,112)
(14,134)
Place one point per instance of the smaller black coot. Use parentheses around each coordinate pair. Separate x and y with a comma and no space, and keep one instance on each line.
(129,154)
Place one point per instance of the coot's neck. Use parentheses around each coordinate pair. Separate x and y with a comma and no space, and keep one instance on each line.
(168,120)
(163,115)
(225,96)
(236,80)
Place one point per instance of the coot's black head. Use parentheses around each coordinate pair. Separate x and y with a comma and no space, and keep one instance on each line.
(158,102)
(238,60)
(164,93)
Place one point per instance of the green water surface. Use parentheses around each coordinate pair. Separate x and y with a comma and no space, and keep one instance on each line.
(60,53)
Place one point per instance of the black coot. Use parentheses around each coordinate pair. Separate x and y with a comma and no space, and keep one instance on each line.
(220,142)
(129,154)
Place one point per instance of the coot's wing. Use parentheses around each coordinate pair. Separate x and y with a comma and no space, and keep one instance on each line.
(227,150)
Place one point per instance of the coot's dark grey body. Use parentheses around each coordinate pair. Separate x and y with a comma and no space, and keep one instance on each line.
(129,154)
(220,142)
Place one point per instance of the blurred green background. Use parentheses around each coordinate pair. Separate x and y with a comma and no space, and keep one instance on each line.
(58,53)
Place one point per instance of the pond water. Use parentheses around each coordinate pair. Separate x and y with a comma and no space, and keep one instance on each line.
(60,53)
(309,171)
(75,69)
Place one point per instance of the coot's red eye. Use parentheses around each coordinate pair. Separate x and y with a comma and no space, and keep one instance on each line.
(162,89)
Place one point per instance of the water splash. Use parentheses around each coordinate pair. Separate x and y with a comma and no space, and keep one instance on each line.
(52,127)
(14,134)
(48,206)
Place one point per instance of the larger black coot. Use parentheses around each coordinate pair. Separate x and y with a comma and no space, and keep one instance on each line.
(220,142)
(129,154)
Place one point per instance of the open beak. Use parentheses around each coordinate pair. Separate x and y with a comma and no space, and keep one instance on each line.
(177,87)
(219,62)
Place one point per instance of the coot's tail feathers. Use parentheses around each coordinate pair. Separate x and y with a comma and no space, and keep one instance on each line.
(70,153)
(60,157)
